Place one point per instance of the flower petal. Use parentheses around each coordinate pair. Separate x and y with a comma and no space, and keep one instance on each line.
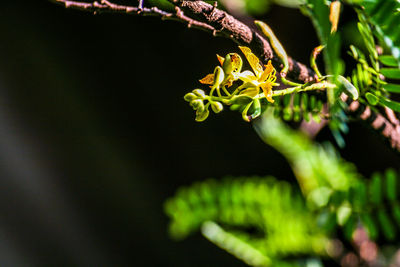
(267,89)
(229,81)
(209,79)
(253,60)
(220,59)
(247,76)
(269,69)
(237,62)
(251,92)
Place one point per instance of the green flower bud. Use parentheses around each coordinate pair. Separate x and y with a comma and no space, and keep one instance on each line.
(257,109)
(227,66)
(202,115)
(189,97)
(216,106)
(232,64)
(197,104)
(218,76)
(199,93)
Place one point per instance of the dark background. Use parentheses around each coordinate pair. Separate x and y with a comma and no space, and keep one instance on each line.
(95,135)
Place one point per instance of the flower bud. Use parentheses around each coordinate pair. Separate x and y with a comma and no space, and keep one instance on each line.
(218,76)
(197,104)
(256,109)
(202,115)
(190,97)
(199,93)
(227,66)
(216,106)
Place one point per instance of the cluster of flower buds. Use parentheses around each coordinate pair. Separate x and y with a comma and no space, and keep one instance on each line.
(196,99)
(225,89)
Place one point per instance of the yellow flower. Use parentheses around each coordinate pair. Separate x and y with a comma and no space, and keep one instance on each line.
(261,78)
(231,64)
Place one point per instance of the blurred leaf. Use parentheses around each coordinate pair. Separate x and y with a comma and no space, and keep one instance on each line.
(368,222)
(349,87)
(314,165)
(393,88)
(372,99)
(343,213)
(376,188)
(388,60)
(388,228)
(391,184)
(393,105)
(270,206)
(391,73)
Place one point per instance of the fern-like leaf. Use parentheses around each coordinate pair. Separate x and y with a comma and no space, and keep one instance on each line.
(279,223)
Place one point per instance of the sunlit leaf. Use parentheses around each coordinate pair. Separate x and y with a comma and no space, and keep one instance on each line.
(350,89)
(371,98)
(391,87)
(395,106)
(391,73)
(388,60)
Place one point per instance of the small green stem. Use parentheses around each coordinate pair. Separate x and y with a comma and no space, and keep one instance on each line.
(287,82)
(218,92)
(244,112)
(313,58)
(296,89)
(226,91)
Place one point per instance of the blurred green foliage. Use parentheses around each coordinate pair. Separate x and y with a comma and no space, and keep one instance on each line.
(267,222)
(264,221)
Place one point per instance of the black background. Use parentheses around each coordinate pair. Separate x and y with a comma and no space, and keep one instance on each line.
(95,135)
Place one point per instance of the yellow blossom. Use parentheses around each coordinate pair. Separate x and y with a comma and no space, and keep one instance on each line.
(231,64)
(259,78)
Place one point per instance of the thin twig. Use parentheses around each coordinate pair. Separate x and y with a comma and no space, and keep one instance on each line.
(106,6)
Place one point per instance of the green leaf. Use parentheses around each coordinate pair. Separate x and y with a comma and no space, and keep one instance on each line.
(388,228)
(389,61)
(368,38)
(350,89)
(376,188)
(372,99)
(370,225)
(350,226)
(396,213)
(391,73)
(359,196)
(343,214)
(391,184)
(393,105)
(391,87)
